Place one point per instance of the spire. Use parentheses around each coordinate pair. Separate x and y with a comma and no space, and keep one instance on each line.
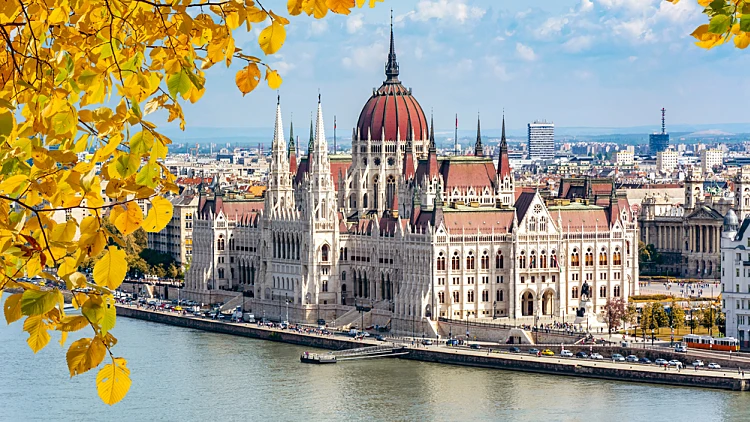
(432,134)
(278,130)
(503,164)
(408,167)
(320,134)
(478,148)
(503,142)
(432,164)
(312,138)
(291,137)
(391,66)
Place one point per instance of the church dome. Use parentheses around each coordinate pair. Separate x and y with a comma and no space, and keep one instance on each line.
(392,108)
(731,222)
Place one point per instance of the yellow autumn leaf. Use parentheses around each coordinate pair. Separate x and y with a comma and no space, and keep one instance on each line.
(129,220)
(272,38)
(38,335)
(273,79)
(84,355)
(247,78)
(294,7)
(109,318)
(111,268)
(38,302)
(12,308)
(158,216)
(93,309)
(340,6)
(742,40)
(113,381)
(72,323)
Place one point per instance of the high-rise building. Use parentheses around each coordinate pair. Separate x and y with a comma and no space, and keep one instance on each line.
(666,161)
(541,140)
(710,159)
(658,142)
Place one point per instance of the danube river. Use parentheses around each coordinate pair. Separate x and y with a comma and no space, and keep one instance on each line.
(186,375)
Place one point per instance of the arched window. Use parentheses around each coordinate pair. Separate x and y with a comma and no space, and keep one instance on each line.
(542,224)
(456,297)
(220,243)
(552,259)
(441,297)
(499,260)
(470,296)
(589,258)
(441,262)
(500,295)
(522,260)
(364,201)
(603,291)
(343,278)
(485,260)
(574,292)
(221,272)
(231,243)
(470,261)
(390,191)
(543,259)
(532,260)
(617,257)
(325,285)
(324,253)
(485,296)
(603,257)
(575,260)
(616,291)
(455,261)
(532,224)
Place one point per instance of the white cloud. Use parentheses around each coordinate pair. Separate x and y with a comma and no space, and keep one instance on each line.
(318,27)
(525,52)
(552,26)
(497,69)
(282,66)
(578,44)
(637,29)
(456,10)
(632,5)
(586,6)
(365,57)
(354,23)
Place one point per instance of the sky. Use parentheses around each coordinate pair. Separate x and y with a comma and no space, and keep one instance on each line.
(578,63)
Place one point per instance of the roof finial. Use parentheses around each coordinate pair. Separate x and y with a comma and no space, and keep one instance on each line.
(478,148)
(391,66)
(278,97)
(318,95)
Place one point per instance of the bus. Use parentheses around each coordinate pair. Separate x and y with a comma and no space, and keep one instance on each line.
(725,344)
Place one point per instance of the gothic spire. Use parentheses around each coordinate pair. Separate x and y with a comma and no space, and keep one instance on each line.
(478,148)
(503,142)
(391,66)
(432,135)
(291,136)
(503,164)
(312,138)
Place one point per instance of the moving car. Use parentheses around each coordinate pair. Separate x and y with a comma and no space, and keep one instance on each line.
(644,360)
(548,352)
(566,354)
(533,351)
(698,363)
(451,342)
(379,338)
(632,358)
(713,365)
(427,342)
(596,356)
(660,362)
(582,355)
(475,346)
(514,350)
(681,348)
(676,363)
(616,357)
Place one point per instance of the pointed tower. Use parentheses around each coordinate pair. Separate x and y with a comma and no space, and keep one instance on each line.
(322,192)
(478,148)
(310,142)
(505,182)
(279,194)
(408,165)
(292,151)
(432,164)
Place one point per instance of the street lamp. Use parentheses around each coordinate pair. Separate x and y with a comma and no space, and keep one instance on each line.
(652,336)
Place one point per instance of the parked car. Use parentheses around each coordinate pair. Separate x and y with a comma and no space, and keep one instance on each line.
(533,351)
(616,357)
(321,322)
(582,355)
(476,346)
(675,363)
(427,342)
(714,365)
(514,350)
(379,338)
(451,342)
(566,354)
(632,358)
(698,363)
(548,352)
(660,362)
(644,360)
(680,348)
(596,356)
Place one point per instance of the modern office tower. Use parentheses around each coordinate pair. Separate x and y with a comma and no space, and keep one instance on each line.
(711,158)
(658,142)
(666,161)
(541,140)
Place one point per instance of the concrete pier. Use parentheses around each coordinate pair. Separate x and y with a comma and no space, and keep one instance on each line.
(499,359)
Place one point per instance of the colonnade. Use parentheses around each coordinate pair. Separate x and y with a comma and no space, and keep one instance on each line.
(702,238)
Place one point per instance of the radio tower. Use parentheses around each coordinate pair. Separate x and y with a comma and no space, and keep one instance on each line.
(663,124)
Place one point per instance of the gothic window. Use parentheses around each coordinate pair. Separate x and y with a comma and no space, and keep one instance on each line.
(352,201)
(575,260)
(455,261)
(532,224)
(542,224)
(231,243)
(456,297)
(325,285)
(324,253)
(603,257)
(616,292)
(574,292)
(485,260)
(485,296)
(499,296)
(343,277)
(589,258)
(221,272)
(441,297)
(603,291)
(441,262)
(390,190)
(364,201)
(532,260)
(522,260)
(499,261)
(617,257)
(220,243)
(470,296)
(543,259)
(470,261)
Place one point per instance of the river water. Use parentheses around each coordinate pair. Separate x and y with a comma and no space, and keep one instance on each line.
(181,374)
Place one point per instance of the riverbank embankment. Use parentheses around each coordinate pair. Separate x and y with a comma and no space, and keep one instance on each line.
(601,369)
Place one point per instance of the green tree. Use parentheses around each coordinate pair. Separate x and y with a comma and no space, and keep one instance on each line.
(660,317)
(647,317)
(676,315)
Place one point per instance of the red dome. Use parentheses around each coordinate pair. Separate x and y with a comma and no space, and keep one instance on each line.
(392,107)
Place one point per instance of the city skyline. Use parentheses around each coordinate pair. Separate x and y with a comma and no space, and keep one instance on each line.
(472,56)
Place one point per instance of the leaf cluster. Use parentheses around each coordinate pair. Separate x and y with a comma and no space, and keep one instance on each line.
(728,20)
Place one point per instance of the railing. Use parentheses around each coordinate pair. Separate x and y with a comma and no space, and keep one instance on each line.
(508,327)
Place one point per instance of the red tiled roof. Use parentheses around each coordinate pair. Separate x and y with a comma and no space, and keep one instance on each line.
(392,108)
(477,173)
(586,220)
(497,220)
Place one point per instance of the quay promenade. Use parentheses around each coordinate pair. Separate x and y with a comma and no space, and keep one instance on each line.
(497,359)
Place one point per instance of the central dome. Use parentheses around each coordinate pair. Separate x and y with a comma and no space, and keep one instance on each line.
(392,109)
